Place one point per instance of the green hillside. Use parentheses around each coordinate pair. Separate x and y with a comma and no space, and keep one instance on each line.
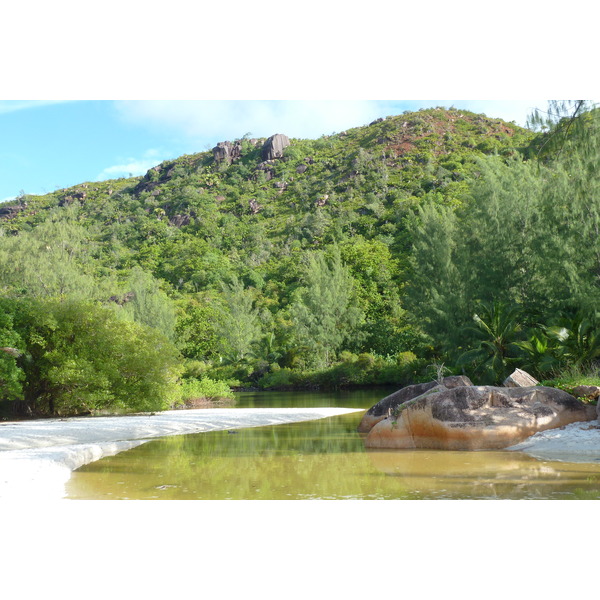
(336,261)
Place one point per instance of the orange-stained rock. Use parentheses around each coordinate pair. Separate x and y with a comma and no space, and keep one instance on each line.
(384,407)
(476,417)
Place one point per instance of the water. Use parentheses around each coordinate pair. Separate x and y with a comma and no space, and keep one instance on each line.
(322,459)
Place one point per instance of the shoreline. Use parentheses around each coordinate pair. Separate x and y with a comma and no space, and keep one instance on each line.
(577,442)
(38,456)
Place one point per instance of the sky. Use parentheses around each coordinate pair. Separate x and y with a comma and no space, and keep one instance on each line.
(113,89)
(50,145)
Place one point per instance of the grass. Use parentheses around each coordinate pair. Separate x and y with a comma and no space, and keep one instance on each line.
(569,378)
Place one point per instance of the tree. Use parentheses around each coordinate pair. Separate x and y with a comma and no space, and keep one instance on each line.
(325,310)
(149,305)
(51,261)
(196,328)
(497,332)
(239,323)
(563,120)
(570,213)
(526,234)
(78,357)
(436,293)
(11,375)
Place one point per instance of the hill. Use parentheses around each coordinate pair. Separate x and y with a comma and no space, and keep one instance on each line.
(231,253)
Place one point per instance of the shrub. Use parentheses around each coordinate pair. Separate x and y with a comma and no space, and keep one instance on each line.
(80,357)
(280,379)
(193,389)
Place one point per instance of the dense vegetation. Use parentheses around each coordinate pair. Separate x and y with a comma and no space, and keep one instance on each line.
(370,256)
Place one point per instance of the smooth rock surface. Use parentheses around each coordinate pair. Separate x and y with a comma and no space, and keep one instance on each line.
(520,378)
(274,146)
(385,407)
(586,391)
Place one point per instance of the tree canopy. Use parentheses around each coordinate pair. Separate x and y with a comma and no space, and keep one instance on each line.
(432,237)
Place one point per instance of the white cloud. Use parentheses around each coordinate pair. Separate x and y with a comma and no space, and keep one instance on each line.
(132,166)
(8,106)
(507,110)
(203,123)
(210,121)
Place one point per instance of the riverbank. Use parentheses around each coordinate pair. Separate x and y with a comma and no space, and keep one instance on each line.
(577,442)
(38,456)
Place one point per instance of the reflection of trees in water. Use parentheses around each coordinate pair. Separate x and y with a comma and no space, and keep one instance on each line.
(487,474)
(336,434)
(321,459)
(325,459)
(301,399)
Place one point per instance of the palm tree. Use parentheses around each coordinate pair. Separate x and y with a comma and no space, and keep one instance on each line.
(539,351)
(496,332)
(577,339)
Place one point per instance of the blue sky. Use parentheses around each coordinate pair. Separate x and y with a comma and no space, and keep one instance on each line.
(48,145)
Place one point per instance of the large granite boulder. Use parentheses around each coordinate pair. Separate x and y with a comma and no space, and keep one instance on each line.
(8,211)
(476,417)
(274,146)
(227,152)
(390,403)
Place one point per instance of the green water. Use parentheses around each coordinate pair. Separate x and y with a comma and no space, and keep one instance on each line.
(321,459)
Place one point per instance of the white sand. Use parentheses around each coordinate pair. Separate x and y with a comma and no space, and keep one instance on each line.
(577,442)
(37,457)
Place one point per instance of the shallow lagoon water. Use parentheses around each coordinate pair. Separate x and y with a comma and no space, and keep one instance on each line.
(321,459)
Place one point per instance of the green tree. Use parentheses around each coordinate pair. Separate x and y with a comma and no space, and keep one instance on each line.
(436,292)
(11,344)
(497,332)
(196,328)
(79,357)
(567,241)
(149,305)
(325,310)
(239,323)
(53,260)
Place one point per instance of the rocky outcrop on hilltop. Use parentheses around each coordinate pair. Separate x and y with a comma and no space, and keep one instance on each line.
(227,152)
(274,146)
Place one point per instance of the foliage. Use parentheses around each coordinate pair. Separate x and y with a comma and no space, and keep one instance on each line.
(239,326)
(497,331)
(149,305)
(192,389)
(11,345)
(53,261)
(325,311)
(196,326)
(568,378)
(318,268)
(352,370)
(80,357)
(524,235)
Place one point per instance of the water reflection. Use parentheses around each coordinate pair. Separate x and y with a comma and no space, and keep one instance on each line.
(486,474)
(322,459)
